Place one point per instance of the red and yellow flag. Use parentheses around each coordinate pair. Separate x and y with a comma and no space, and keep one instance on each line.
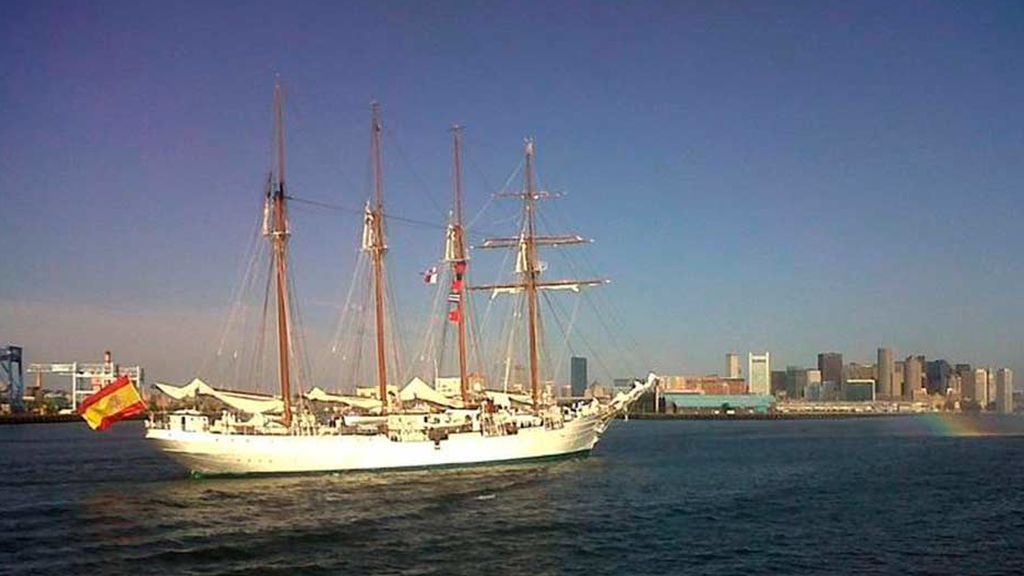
(117,401)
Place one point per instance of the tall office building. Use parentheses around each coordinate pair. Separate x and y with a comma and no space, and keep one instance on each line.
(938,374)
(897,380)
(759,373)
(732,365)
(1004,391)
(858,371)
(779,388)
(886,370)
(793,389)
(578,380)
(912,373)
(809,382)
(965,375)
(831,366)
(981,387)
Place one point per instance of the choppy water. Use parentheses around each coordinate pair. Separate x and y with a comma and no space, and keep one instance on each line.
(885,496)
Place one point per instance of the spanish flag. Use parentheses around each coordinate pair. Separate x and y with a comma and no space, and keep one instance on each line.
(116,401)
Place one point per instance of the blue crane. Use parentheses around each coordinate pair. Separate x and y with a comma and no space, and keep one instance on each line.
(11,373)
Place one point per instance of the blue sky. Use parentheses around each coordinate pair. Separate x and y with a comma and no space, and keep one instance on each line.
(797,176)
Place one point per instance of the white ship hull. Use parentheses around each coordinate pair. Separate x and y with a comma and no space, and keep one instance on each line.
(214,453)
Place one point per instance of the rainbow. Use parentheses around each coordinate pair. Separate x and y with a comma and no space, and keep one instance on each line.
(953,425)
(971,425)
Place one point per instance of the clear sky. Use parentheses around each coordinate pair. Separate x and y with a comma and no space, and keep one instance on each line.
(794,176)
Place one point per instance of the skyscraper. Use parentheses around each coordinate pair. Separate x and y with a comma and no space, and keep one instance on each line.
(966,378)
(578,381)
(830,364)
(886,370)
(1004,391)
(912,371)
(938,373)
(732,365)
(981,387)
(759,371)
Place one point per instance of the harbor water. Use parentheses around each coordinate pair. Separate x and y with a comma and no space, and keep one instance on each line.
(901,495)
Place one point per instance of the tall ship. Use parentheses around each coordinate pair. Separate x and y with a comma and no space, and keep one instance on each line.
(291,431)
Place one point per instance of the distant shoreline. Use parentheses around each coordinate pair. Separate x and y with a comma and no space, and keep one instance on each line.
(16,419)
(11,420)
(772,416)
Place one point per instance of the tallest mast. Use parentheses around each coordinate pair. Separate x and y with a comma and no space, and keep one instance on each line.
(279,240)
(377,248)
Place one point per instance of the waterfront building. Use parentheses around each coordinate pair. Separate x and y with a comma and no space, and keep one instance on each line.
(991,387)
(798,379)
(792,389)
(759,371)
(597,391)
(732,365)
(810,385)
(623,384)
(937,375)
(578,376)
(981,382)
(979,387)
(1004,391)
(810,378)
(779,384)
(912,375)
(965,375)
(718,403)
(818,391)
(831,366)
(858,371)
(669,382)
(886,370)
(897,380)
(712,384)
(860,390)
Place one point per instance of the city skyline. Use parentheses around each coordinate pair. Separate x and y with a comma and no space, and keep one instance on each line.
(795,178)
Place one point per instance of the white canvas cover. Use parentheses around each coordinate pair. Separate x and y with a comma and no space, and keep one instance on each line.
(320,395)
(250,403)
(417,389)
(506,400)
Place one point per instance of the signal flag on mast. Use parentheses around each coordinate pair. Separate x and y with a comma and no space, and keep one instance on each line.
(117,401)
(430,276)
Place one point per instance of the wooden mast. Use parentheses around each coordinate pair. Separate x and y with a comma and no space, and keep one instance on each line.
(279,240)
(458,260)
(529,267)
(530,272)
(377,249)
